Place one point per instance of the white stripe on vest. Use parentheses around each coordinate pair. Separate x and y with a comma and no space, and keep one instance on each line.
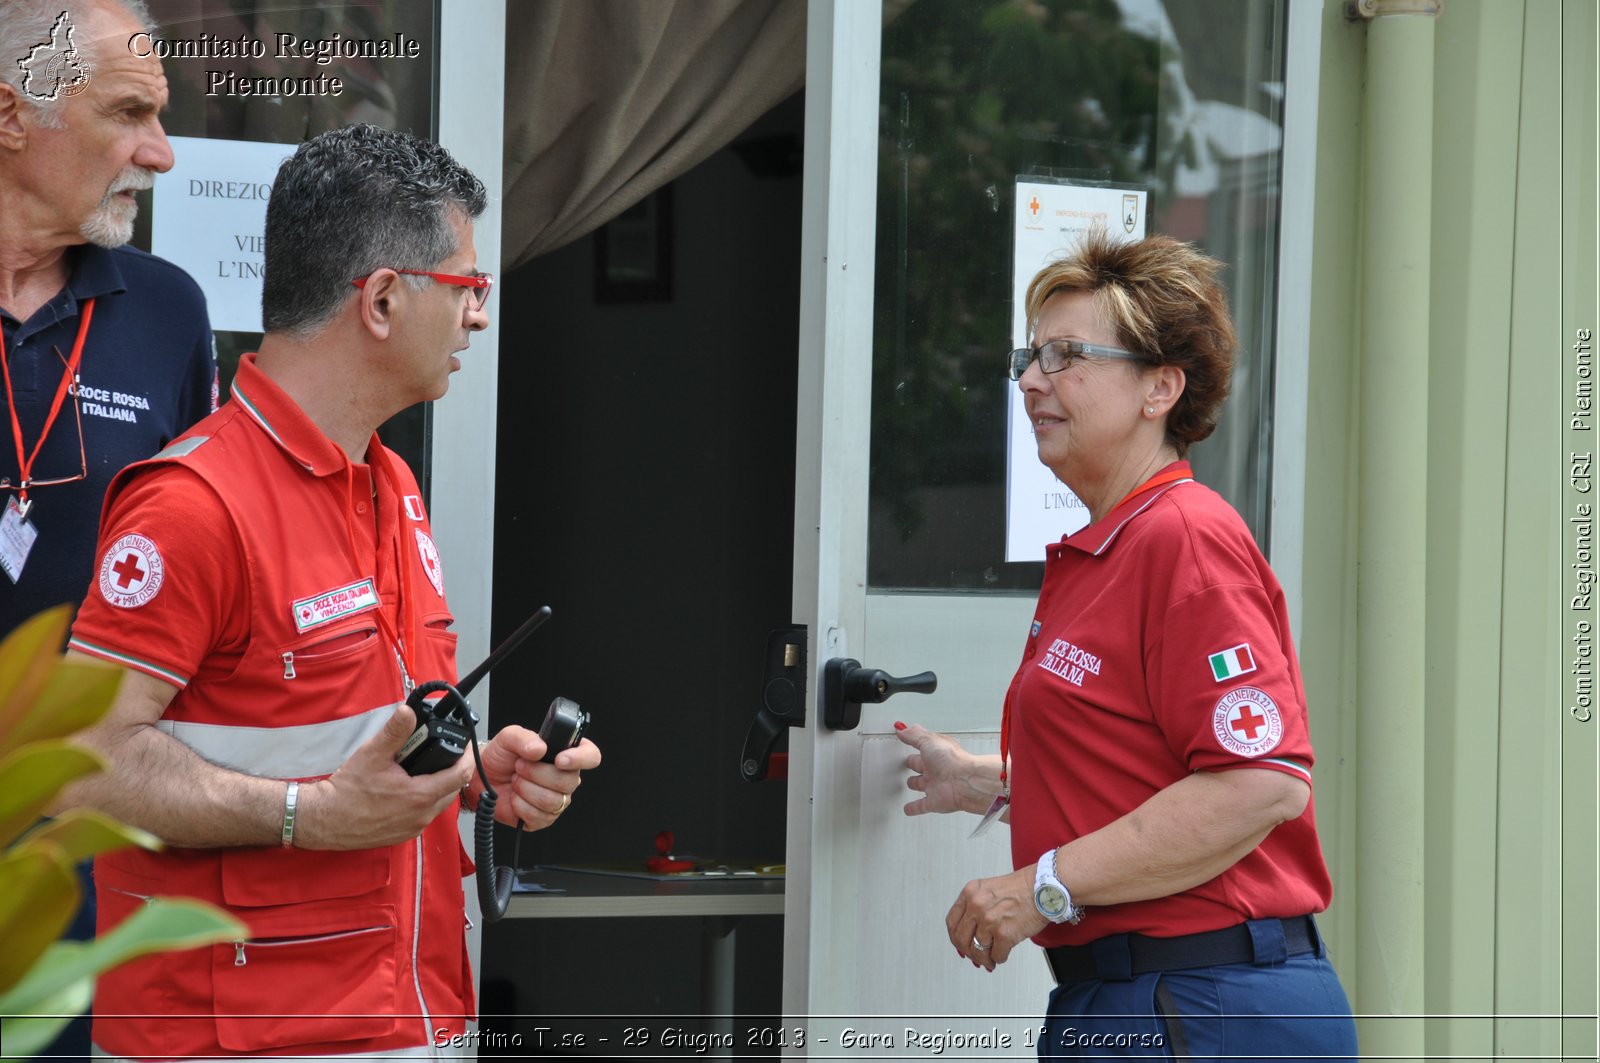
(299,752)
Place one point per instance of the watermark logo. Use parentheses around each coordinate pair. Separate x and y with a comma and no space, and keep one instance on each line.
(55,68)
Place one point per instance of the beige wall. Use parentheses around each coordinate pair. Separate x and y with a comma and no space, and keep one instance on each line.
(1509,775)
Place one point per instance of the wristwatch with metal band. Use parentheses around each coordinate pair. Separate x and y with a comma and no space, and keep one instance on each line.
(1050,895)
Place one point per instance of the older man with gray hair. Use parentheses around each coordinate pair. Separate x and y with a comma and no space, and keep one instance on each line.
(105,351)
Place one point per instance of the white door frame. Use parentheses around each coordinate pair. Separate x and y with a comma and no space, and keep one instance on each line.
(830,563)
(461,507)
(1292,357)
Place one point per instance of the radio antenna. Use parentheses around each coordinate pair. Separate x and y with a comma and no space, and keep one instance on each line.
(529,626)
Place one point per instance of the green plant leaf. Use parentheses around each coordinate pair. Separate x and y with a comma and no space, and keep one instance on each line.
(25,1036)
(33,776)
(163,925)
(38,896)
(85,832)
(76,695)
(27,657)
(43,700)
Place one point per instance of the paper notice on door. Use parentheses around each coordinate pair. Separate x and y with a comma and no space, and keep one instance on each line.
(1050,218)
(209,216)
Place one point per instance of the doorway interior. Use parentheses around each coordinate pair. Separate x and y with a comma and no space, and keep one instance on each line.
(645,491)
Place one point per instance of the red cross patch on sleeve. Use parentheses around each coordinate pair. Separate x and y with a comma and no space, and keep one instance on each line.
(430,560)
(131,572)
(1246,721)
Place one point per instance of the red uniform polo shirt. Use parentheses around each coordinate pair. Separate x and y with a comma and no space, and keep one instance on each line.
(1161,647)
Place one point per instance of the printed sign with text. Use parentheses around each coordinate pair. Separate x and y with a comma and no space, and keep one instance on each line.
(209,216)
(1040,509)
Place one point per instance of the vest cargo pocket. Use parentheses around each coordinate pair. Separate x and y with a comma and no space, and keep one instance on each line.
(437,655)
(277,992)
(266,877)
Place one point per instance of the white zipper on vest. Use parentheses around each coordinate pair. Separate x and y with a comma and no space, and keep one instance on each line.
(239,944)
(288,665)
(416,938)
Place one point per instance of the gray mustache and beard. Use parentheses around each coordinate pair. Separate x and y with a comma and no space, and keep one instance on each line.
(110,224)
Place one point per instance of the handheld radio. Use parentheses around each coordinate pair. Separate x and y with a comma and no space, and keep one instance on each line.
(447,728)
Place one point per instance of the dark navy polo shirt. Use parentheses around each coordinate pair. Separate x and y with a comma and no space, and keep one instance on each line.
(148,373)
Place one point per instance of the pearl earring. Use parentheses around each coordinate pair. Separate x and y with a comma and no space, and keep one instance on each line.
(1149,409)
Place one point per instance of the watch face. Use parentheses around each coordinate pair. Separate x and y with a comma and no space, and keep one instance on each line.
(1051,901)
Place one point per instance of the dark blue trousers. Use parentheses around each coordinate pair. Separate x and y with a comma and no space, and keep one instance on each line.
(1278,1007)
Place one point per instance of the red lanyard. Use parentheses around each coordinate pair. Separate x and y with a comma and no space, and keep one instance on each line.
(1005,739)
(1160,479)
(25,459)
(1171,476)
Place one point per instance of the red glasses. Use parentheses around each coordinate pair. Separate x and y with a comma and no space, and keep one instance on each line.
(477,284)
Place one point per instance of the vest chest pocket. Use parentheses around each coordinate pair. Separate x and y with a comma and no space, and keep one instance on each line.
(325,652)
(437,653)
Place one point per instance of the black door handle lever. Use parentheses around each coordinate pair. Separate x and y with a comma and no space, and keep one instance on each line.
(846,686)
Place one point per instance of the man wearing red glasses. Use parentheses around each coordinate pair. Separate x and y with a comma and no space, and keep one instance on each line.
(271,585)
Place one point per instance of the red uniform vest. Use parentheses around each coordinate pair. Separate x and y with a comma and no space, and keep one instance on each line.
(359,951)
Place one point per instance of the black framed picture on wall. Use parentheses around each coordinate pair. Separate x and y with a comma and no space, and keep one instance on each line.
(633,253)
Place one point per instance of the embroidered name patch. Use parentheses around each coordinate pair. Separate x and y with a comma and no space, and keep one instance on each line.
(430,560)
(1070,662)
(131,572)
(331,605)
(1246,721)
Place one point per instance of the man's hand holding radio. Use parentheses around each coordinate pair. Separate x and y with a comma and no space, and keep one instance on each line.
(371,800)
(160,784)
(531,793)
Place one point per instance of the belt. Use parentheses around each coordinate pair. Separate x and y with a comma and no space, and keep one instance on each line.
(1122,956)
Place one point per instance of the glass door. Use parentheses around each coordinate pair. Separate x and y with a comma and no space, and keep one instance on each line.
(920,127)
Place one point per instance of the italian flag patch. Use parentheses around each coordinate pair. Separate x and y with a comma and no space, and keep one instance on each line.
(1232,663)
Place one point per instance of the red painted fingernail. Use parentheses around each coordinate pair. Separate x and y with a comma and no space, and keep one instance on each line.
(898,726)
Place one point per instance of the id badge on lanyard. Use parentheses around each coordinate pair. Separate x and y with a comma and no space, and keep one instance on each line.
(17,537)
(997,806)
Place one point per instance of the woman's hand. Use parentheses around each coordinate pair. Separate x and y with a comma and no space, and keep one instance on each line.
(952,779)
(992,915)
